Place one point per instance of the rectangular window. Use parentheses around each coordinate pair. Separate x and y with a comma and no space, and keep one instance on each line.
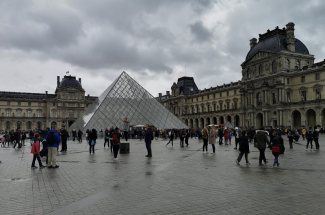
(29,104)
(303,78)
(235,92)
(214,96)
(228,106)
(8,113)
(220,94)
(288,97)
(317,76)
(303,95)
(235,102)
(18,113)
(19,103)
(288,81)
(273,98)
(39,113)
(8,102)
(227,93)
(29,113)
(220,106)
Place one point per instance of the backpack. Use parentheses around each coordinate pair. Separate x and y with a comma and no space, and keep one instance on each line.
(51,138)
(276,149)
(115,138)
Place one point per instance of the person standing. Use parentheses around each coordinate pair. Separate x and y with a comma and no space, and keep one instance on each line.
(205,137)
(106,138)
(243,147)
(171,138)
(220,134)
(74,134)
(261,139)
(53,139)
(187,136)
(290,137)
(36,152)
(309,136)
(92,137)
(23,138)
(126,128)
(212,138)
(148,138)
(277,148)
(116,142)
(182,137)
(64,137)
(226,135)
(303,133)
(80,133)
(238,134)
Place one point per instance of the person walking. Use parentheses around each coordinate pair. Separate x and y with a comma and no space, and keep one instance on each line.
(261,139)
(238,134)
(171,138)
(243,147)
(92,140)
(315,137)
(182,137)
(126,128)
(64,137)
(53,139)
(309,137)
(290,137)
(23,137)
(80,133)
(106,137)
(148,137)
(74,134)
(116,142)
(277,148)
(36,152)
(205,137)
(187,136)
(220,134)
(212,138)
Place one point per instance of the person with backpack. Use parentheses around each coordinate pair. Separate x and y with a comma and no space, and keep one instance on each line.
(148,137)
(261,139)
(116,136)
(92,140)
(53,140)
(277,148)
(309,137)
(243,147)
(36,152)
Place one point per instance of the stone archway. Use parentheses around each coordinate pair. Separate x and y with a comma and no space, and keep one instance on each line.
(229,118)
(236,121)
(186,122)
(310,118)
(221,120)
(296,119)
(196,122)
(208,121)
(191,123)
(259,120)
(202,123)
(214,120)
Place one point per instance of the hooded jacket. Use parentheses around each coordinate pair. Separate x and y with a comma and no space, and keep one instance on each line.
(57,138)
(261,139)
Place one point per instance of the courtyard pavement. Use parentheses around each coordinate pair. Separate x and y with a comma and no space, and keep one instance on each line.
(174,181)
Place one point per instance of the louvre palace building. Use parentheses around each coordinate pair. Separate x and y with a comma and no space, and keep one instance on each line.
(281,85)
(28,111)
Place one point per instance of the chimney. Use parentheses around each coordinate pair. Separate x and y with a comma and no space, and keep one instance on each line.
(167,93)
(46,92)
(88,95)
(80,80)
(58,81)
(290,32)
(252,42)
(160,95)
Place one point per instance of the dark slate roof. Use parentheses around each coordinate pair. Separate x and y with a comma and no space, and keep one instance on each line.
(19,95)
(187,85)
(275,41)
(70,81)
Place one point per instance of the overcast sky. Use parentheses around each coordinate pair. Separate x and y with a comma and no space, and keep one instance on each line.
(154,41)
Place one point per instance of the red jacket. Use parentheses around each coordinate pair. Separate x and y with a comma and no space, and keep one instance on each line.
(36,148)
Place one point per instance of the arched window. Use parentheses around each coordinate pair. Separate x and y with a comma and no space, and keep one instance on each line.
(8,124)
(39,125)
(274,66)
(29,125)
(19,125)
(260,70)
(287,64)
(71,114)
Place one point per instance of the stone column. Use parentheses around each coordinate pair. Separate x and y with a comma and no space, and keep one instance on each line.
(281,117)
(266,119)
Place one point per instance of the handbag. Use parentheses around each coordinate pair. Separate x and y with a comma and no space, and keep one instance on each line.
(92,142)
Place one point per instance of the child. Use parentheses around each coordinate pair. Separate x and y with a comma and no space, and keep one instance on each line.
(243,148)
(290,137)
(277,148)
(36,151)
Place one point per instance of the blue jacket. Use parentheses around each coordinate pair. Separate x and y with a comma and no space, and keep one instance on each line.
(57,138)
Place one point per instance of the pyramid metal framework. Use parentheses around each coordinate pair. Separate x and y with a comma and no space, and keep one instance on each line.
(125,98)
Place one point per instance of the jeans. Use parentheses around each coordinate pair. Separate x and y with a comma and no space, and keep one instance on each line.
(213,148)
(126,135)
(311,143)
(205,144)
(276,160)
(116,147)
(64,145)
(316,143)
(220,140)
(241,155)
(171,140)
(148,146)
(290,144)
(262,156)
(106,140)
(35,156)
(52,155)
(236,142)
(91,147)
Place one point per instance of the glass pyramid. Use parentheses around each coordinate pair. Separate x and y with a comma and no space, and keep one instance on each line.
(125,98)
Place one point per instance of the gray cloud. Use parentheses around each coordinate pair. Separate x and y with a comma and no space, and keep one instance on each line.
(149,39)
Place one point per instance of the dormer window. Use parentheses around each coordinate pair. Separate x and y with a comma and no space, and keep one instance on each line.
(298,64)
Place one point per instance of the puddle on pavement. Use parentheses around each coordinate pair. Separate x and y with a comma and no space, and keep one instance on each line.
(15,179)
(70,161)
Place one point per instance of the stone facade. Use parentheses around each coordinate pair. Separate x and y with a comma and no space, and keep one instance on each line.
(26,111)
(280,86)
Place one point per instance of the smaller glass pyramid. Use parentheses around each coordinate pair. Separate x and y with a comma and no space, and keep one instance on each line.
(125,98)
